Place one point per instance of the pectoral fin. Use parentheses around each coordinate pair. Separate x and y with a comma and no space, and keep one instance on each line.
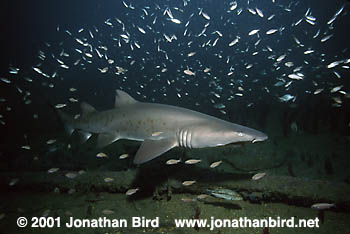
(151,149)
(104,139)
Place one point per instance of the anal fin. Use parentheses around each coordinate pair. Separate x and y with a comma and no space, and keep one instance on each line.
(80,137)
(151,149)
(83,136)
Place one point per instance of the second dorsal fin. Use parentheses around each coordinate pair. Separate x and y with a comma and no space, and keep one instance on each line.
(87,108)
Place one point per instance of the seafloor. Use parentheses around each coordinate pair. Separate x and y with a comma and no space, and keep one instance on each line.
(302,169)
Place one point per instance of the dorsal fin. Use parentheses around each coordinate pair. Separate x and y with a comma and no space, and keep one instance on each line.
(122,98)
(87,108)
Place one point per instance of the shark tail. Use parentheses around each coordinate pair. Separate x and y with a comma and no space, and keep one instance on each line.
(67,120)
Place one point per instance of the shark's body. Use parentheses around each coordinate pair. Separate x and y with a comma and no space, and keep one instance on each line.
(160,127)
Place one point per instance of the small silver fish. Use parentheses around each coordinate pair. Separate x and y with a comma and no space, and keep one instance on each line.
(46,213)
(286,98)
(317,91)
(107,212)
(49,142)
(27,147)
(123,156)
(173,161)
(156,133)
(13,181)
(215,164)
(322,206)
(188,182)
(58,106)
(71,175)
(71,191)
(226,194)
(81,172)
(191,54)
(189,72)
(254,31)
(101,155)
(108,179)
(271,31)
(187,200)
(131,191)
(258,176)
(192,161)
(202,196)
(52,170)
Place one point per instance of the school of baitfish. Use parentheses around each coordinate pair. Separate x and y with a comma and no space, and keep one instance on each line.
(180,46)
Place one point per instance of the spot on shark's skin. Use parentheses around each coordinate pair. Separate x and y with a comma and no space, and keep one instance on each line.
(135,120)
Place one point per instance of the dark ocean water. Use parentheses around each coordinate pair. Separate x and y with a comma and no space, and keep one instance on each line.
(243,83)
(281,67)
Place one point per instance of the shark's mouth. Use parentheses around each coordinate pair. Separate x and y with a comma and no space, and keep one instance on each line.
(255,140)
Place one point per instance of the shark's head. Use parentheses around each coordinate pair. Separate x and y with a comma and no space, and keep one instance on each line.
(248,134)
(211,135)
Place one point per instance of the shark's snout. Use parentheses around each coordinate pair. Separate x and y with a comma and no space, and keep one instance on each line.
(260,137)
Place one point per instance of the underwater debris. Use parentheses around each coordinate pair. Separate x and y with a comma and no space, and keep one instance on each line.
(255,197)
(328,167)
(290,169)
(266,230)
(157,194)
(320,216)
(294,127)
(309,161)
(89,210)
(169,192)
(196,216)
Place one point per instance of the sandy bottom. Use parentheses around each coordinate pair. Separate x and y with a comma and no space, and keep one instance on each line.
(119,206)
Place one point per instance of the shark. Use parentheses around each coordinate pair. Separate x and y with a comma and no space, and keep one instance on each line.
(160,127)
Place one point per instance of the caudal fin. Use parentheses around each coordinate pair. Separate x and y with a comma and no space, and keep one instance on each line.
(67,121)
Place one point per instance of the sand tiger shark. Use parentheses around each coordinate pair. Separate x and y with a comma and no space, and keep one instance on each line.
(160,127)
